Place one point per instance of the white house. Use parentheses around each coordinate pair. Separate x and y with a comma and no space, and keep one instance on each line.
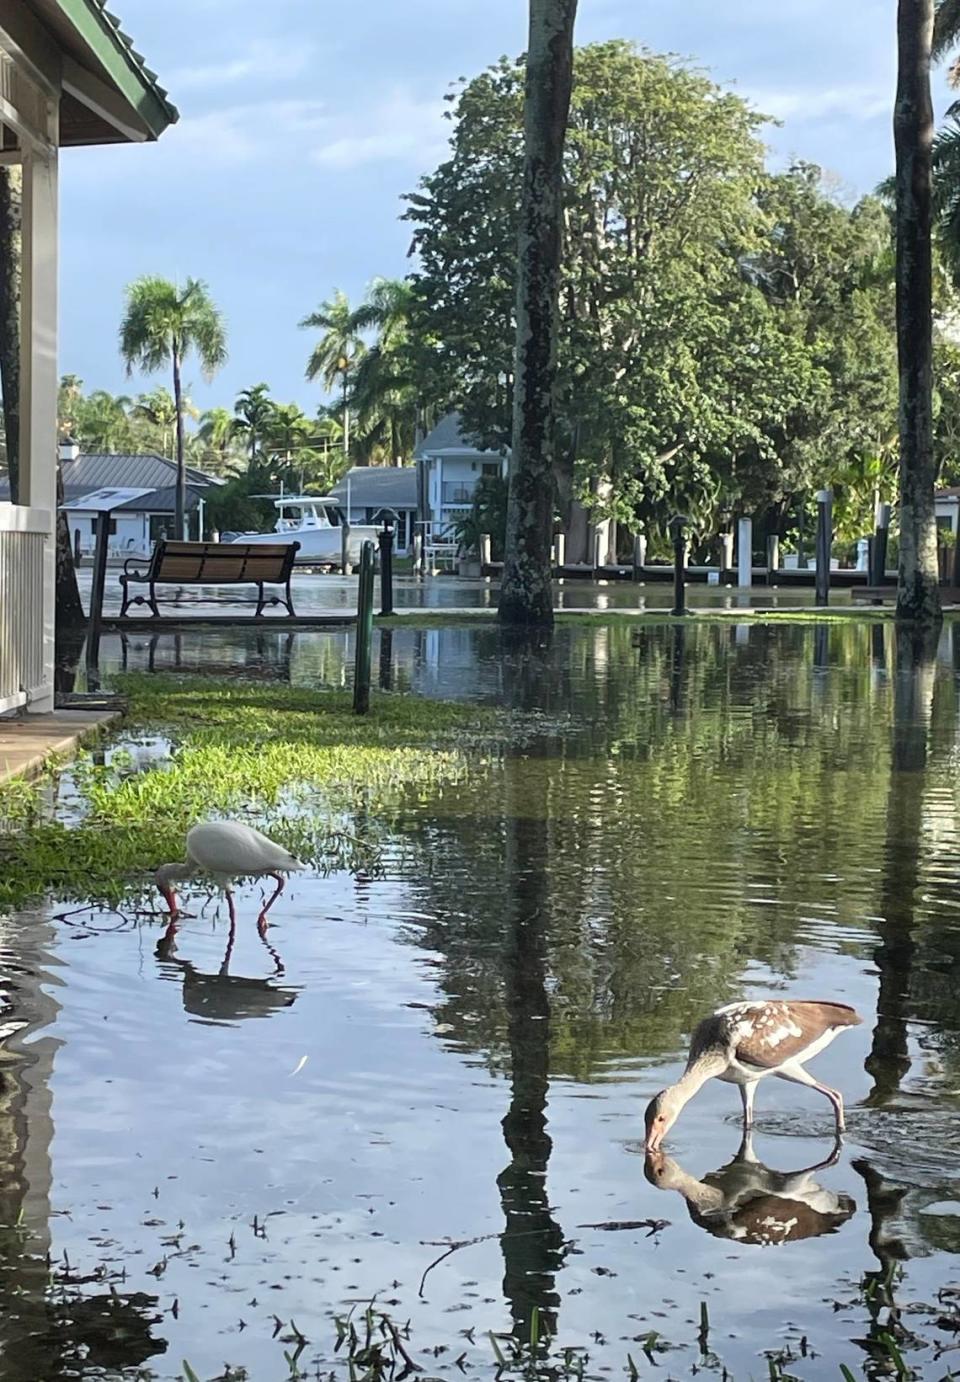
(69,76)
(368,493)
(450,469)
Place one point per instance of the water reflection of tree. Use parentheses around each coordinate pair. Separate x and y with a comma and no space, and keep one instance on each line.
(53,1323)
(914,688)
(532,1241)
(662,830)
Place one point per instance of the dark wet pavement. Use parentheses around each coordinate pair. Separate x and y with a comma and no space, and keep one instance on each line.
(460,1050)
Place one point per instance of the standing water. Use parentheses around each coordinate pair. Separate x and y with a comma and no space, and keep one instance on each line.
(426,1087)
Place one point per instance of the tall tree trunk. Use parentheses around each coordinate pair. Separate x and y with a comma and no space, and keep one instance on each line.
(180,512)
(10,194)
(918,596)
(526,593)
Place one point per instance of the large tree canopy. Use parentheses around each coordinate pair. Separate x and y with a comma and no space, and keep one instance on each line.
(725,335)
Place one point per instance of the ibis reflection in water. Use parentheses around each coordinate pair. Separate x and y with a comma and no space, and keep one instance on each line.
(751,1203)
(219,996)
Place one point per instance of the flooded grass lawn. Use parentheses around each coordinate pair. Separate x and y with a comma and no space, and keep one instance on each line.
(425,1087)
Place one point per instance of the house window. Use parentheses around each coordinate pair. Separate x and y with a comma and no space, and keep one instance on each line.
(491,470)
(161,525)
(458,491)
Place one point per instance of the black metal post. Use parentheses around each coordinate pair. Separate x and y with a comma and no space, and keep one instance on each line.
(824,545)
(96,599)
(361,671)
(877,573)
(677,528)
(385,538)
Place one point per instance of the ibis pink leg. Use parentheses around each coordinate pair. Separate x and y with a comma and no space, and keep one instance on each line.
(262,919)
(796,1074)
(747,1091)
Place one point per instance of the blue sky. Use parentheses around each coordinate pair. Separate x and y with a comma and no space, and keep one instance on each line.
(303,122)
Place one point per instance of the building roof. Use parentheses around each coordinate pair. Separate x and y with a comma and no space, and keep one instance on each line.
(123,470)
(110,95)
(379,487)
(447,439)
(159,501)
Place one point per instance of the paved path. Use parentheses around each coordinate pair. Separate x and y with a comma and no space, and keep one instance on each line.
(26,743)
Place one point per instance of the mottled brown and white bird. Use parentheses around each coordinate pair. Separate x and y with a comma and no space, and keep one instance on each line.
(742,1044)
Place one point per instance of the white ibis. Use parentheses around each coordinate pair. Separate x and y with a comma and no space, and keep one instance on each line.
(751,1203)
(225,851)
(742,1044)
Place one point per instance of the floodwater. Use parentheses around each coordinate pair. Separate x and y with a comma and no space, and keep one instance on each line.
(316,593)
(428,1087)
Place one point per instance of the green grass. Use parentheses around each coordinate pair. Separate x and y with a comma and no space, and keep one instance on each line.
(297,762)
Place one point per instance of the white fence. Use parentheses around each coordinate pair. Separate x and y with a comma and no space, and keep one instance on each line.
(23,534)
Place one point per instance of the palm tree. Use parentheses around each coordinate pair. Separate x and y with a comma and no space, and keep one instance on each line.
(155,415)
(526,590)
(101,422)
(384,394)
(161,325)
(338,351)
(252,413)
(217,431)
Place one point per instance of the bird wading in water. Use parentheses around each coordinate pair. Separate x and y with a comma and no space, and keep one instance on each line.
(225,851)
(742,1044)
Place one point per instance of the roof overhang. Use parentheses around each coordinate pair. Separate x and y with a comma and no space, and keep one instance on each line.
(73,53)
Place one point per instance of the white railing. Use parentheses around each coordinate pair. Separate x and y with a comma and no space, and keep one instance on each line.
(23,535)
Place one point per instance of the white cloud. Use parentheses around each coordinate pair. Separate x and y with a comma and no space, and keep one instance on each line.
(851,101)
(398,128)
(243,133)
(263,61)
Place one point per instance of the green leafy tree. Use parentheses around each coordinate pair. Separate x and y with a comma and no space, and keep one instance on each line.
(162,325)
(725,334)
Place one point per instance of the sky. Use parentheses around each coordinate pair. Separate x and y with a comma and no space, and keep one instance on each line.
(302,124)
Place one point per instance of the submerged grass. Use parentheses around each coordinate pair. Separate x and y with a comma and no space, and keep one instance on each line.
(295,760)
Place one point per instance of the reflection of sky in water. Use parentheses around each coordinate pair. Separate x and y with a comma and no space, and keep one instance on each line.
(316,593)
(703,815)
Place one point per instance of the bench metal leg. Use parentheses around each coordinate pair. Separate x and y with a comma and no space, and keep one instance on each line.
(289,599)
(261,601)
(152,602)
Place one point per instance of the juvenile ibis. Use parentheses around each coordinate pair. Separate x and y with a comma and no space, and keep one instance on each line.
(225,851)
(742,1044)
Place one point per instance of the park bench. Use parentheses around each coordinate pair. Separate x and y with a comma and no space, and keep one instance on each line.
(211,563)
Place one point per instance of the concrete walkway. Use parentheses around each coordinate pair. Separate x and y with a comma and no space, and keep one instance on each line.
(26,744)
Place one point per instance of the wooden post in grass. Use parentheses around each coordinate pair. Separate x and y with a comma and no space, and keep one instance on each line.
(361,671)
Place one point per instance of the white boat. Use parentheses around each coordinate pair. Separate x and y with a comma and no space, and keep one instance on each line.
(316,522)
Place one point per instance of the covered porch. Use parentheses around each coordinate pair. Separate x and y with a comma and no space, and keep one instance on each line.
(69,77)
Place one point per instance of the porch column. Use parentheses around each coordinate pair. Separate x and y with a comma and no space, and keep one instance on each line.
(38,375)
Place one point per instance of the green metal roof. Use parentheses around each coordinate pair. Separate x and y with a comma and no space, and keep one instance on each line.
(125,68)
